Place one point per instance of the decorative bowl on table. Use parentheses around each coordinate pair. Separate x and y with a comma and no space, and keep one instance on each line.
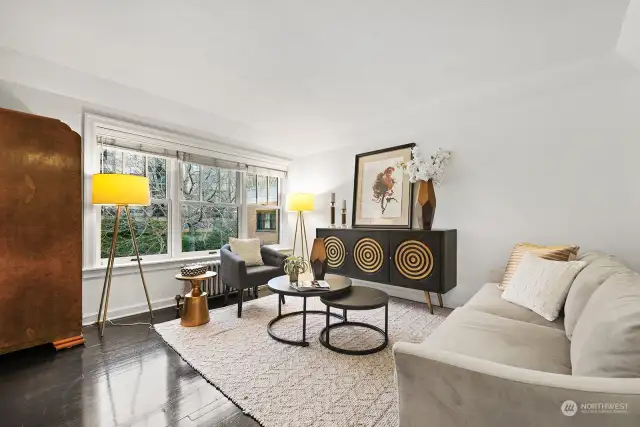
(192,270)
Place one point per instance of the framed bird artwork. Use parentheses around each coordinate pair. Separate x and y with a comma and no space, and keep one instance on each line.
(382,193)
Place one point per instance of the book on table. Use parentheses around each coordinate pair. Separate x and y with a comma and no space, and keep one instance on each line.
(310,285)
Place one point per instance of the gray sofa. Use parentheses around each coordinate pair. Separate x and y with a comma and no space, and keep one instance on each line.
(494,363)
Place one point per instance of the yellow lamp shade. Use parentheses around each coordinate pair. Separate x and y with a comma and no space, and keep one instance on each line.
(300,202)
(119,189)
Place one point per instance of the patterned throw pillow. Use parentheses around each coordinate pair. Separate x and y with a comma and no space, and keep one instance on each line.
(248,250)
(542,285)
(554,253)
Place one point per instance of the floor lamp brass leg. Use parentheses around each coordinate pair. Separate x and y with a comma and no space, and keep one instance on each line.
(135,246)
(110,270)
(428,298)
(106,276)
(295,234)
(305,245)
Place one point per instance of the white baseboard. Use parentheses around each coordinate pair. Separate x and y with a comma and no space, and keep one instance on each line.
(394,291)
(130,310)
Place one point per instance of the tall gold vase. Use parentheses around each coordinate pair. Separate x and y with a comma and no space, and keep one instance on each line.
(426,204)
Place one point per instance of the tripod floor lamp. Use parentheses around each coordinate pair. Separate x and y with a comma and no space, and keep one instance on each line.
(300,202)
(122,191)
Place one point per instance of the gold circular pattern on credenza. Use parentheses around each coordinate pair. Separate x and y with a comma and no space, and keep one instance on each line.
(368,255)
(335,251)
(414,260)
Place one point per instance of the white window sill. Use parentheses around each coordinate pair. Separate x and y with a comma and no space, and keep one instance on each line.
(156,265)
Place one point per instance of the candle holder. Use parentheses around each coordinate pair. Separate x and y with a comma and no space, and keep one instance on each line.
(344,218)
(333,215)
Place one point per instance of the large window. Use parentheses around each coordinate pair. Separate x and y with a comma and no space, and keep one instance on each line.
(209,208)
(201,193)
(151,223)
(207,204)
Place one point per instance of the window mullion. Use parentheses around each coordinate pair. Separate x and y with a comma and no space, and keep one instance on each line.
(174,187)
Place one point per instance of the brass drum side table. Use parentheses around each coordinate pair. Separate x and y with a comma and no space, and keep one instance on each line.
(195,309)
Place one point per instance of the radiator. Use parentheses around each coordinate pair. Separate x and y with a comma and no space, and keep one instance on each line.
(213,286)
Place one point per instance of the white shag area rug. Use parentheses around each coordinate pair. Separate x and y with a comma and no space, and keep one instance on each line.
(282,385)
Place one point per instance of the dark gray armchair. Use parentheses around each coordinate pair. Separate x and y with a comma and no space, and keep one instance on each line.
(235,274)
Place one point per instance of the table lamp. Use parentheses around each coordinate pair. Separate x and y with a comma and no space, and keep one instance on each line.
(300,202)
(122,191)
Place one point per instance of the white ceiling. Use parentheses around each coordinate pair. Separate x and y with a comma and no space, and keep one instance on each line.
(304,75)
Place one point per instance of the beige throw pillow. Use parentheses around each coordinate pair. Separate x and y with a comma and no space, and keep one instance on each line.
(555,253)
(542,285)
(247,249)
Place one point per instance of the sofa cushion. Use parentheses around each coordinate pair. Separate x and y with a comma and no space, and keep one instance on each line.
(489,300)
(542,285)
(497,339)
(555,253)
(606,339)
(600,267)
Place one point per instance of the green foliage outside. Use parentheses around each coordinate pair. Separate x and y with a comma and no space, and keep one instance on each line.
(151,239)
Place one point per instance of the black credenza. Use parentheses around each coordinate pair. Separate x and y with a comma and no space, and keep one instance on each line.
(416,259)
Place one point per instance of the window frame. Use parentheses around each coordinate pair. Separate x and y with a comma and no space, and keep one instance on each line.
(266,206)
(159,139)
(181,202)
(166,200)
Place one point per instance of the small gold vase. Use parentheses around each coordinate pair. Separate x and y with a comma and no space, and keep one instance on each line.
(426,204)
(318,259)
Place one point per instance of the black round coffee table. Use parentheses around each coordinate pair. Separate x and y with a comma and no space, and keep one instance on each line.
(280,285)
(357,298)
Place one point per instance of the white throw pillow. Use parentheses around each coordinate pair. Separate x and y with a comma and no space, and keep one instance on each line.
(542,285)
(247,249)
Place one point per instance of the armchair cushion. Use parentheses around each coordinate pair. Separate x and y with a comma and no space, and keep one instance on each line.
(259,275)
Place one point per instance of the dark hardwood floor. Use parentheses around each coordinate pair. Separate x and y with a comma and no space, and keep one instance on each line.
(129,378)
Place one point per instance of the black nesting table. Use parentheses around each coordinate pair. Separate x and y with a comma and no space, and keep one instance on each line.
(280,285)
(356,298)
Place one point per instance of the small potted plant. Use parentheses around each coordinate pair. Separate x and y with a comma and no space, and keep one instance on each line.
(293,266)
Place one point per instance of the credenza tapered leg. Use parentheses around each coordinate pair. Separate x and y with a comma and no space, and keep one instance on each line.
(440,300)
(428,298)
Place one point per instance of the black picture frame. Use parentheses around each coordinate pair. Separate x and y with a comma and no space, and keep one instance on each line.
(356,179)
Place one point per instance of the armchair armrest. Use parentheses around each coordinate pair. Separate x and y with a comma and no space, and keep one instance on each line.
(272,257)
(233,270)
(451,389)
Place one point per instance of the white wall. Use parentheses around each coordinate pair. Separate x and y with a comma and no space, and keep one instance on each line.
(552,159)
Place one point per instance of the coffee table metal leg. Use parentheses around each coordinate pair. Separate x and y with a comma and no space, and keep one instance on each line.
(303,312)
(304,319)
(386,322)
(279,307)
(327,329)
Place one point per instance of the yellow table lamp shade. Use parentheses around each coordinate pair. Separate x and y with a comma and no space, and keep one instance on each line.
(300,202)
(119,189)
